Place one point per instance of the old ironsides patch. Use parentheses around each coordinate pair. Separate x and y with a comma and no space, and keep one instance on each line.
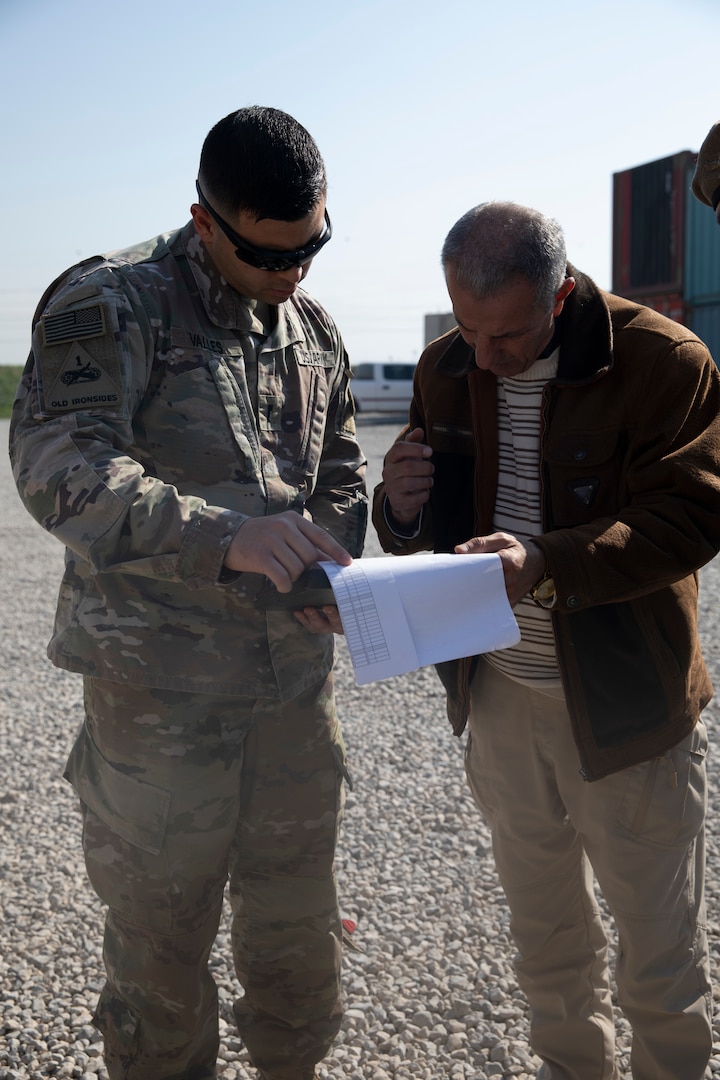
(79,382)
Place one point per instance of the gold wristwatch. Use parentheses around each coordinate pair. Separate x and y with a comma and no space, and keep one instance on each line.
(543,592)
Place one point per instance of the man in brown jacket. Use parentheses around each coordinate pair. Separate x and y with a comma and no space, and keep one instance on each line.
(577,435)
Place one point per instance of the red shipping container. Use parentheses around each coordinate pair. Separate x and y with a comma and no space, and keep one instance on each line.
(671,304)
(649,221)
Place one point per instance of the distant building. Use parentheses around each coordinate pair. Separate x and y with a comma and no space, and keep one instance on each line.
(437,325)
(666,245)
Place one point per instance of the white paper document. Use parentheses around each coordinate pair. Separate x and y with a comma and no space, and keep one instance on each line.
(404,612)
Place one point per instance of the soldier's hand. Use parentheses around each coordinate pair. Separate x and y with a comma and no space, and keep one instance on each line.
(408,476)
(523,564)
(323,620)
(281,547)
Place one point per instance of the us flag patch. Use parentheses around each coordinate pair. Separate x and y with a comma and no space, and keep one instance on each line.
(72,325)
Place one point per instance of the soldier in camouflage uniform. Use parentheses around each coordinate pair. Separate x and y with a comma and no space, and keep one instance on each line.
(706,178)
(184,427)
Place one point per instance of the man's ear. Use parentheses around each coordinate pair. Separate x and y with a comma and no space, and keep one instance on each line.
(562,294)
(204,224)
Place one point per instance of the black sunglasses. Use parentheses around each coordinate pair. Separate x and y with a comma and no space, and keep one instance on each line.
(267,258)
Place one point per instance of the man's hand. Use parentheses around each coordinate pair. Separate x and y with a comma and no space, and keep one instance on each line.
(407,475)
(523,564)
(281,547)
(323,620)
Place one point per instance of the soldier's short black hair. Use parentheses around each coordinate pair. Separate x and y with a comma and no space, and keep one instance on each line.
(262,161)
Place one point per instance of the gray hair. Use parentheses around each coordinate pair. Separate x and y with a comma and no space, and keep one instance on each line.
(494,244)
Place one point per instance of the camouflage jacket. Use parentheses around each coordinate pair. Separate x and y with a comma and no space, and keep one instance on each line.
(147,429)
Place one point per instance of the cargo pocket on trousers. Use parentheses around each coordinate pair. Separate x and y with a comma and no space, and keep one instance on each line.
(131,808)
(119,1025)
(665,798)
(125,821)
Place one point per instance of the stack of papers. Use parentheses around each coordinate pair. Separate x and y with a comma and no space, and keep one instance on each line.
(404,612)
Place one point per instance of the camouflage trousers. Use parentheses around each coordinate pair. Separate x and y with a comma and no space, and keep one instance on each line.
(181,794)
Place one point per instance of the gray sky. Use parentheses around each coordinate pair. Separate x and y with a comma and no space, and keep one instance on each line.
(420,109)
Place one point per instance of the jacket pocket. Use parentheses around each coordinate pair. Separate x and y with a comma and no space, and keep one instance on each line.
(305,408)
(585,472)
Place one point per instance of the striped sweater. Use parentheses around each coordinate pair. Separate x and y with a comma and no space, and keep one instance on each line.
(517,510)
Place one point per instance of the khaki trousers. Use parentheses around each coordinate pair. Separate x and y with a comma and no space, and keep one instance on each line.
(641,831)
(182,793)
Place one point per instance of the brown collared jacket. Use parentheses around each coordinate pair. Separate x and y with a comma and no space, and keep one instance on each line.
(630,483)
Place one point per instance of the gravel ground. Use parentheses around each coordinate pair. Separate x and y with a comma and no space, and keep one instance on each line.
(433,993)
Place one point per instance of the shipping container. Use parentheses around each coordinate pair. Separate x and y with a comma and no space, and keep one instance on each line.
(670,304)
(666,245)
(702,254)
(704,320)
(649,210)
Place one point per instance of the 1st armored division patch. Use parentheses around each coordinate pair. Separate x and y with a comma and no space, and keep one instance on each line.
(75,375)
(81,381)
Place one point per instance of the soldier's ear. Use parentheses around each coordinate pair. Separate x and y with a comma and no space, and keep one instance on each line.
(204,224)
